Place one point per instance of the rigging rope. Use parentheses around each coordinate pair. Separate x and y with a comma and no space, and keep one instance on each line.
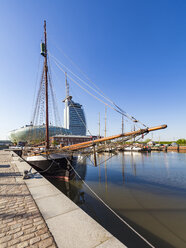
(91,93)
(101,94)
(54,101)
(38,99)
(104,203)
(121,111)
(81,79)
(78,68)
(37,78)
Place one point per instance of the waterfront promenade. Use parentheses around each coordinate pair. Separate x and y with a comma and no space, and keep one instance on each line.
(21,223)
(34,213)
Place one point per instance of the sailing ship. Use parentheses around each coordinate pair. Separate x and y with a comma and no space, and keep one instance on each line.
(45,159)
(58,163)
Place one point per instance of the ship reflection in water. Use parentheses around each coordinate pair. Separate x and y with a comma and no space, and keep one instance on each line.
(148,190)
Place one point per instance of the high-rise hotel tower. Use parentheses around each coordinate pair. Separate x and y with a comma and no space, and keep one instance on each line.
(74,117)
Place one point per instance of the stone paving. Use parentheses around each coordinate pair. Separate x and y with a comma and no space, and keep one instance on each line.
(21,223)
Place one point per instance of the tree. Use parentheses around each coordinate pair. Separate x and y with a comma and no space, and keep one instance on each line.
(181,141)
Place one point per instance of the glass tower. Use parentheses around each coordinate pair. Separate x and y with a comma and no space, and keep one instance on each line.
(74,116)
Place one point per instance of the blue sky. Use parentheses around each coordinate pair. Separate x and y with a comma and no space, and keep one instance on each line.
(135,51)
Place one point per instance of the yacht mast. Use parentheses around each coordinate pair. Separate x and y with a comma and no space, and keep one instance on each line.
(105,120)
(122,125)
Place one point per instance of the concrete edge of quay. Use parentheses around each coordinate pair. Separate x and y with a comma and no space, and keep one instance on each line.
(70,226)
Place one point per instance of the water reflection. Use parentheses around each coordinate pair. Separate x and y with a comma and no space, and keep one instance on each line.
(147,190)
(74,188)
(106,185)
(123,167)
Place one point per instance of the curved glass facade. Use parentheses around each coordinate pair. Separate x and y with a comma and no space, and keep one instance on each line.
(74,124)
(35,133)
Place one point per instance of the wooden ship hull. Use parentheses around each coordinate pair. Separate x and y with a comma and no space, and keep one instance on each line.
(53,165)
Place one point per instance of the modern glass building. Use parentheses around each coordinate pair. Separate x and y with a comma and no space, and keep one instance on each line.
(74,124)
(30,133)
(74,117)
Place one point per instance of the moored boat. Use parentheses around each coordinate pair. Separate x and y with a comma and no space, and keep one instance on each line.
(132,149)
(47,160)
(55,163)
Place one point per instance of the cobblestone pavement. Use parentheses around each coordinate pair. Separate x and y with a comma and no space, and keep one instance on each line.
(21,223)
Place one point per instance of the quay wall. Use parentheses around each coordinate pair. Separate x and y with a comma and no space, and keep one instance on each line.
(21,223)
(176,148)
(70,226)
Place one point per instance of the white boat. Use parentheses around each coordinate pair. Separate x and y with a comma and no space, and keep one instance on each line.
(133,149)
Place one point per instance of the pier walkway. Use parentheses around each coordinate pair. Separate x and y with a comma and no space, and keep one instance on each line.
(33,213)
(21,223)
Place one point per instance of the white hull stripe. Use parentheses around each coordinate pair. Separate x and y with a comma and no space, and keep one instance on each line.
(43,157)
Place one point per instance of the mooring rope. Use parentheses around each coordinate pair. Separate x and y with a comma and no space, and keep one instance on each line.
(94,193)
(122,220)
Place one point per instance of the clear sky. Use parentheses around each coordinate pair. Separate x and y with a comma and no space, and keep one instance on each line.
(135,51)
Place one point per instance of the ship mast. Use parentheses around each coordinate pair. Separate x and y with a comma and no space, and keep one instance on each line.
(46,87)
(122,125)
(67,86)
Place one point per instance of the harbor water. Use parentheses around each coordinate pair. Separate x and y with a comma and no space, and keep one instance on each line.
(147,190)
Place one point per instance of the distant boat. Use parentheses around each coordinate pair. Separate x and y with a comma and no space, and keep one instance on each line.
(137,149)
(133,149)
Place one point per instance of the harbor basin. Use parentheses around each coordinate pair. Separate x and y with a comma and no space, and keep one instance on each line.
(147,190)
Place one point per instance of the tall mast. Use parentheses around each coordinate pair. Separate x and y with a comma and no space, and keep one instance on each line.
(99,126)
(122,125)
(46,87)
(67,86)
(105,120)
(66,100)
